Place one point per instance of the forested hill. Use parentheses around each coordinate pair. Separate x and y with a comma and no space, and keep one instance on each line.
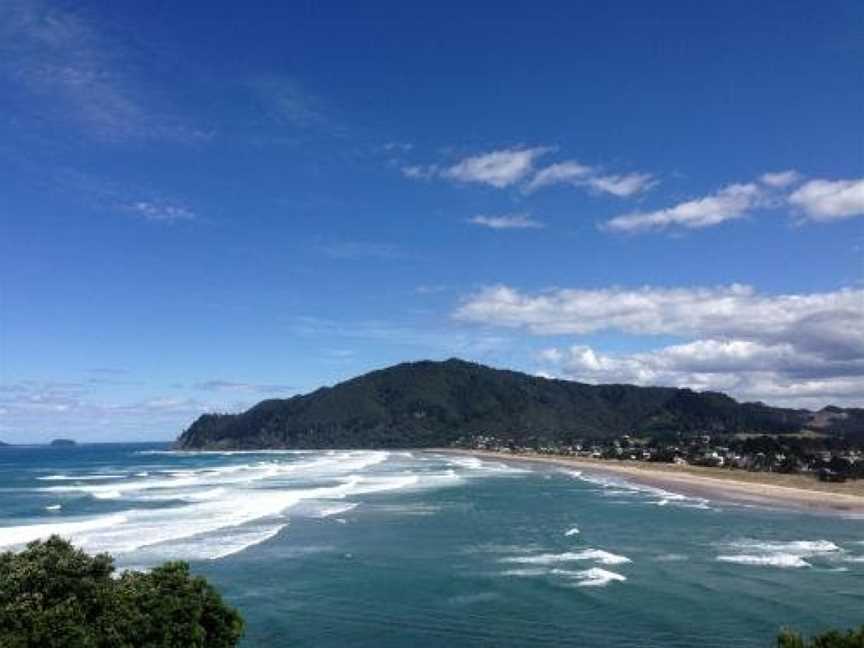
(429,404)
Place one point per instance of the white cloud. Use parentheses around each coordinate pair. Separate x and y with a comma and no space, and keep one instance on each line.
(731,202)
(780,179)
(513,221)
(623,185)
(32,411)
(512,166)
(779,374)
(580,175)
(161,211)
(836,319)
(497,168)
(243,387)
(740,341)
(827,200)
(420,172)
(569,172)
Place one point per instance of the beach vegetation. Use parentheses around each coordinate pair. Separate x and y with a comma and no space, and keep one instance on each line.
(53,595)
(831,639)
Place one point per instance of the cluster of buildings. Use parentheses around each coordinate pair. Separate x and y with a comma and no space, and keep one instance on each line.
(758,453)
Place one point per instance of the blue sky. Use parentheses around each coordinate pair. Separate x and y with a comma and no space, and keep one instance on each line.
(206,204)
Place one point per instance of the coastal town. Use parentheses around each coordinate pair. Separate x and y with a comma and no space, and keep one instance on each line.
(827,459)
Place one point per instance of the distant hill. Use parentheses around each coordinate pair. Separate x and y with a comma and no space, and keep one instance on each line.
(63,443)
(429,404)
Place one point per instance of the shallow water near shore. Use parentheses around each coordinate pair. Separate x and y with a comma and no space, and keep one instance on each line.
(387,548)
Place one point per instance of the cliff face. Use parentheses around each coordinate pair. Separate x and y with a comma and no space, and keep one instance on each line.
(427,404)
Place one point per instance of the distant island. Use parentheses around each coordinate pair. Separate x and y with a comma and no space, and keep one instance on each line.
(436,404)
(63,443)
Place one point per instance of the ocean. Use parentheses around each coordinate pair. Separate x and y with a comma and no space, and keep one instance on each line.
(392,548)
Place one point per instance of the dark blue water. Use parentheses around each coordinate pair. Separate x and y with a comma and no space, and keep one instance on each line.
(421,549)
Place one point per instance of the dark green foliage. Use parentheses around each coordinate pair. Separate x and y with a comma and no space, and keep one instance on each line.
(428,404)
(53,595)
(831,639)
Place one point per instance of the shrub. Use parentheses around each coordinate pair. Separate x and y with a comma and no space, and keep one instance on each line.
(831,639)
(53,595)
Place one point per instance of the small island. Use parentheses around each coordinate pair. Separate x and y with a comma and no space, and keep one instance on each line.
(63,443)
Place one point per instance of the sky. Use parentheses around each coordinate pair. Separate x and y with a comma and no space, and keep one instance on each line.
(203,205)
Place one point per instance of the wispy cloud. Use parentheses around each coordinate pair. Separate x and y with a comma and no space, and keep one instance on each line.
(126,198)
(61,57)
(569,172)
(731,202)
(243,387)
(160,211)
(576,174)
(516,166)
(622,185)
(512,221)
(285,101)
(820,200)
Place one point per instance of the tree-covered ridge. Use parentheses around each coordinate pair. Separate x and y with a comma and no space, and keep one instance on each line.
(428,404)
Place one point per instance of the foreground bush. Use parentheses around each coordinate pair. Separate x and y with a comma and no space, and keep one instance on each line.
(53,595)
(832,639)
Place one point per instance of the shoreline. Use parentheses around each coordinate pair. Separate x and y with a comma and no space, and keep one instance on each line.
(747,488)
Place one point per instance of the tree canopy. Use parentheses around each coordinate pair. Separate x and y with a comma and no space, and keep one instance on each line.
(830,639)
(53,595)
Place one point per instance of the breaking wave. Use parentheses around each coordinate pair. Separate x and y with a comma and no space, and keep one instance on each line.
(596,555)
(593,577)
(210,511)
(789,554)
(618,487)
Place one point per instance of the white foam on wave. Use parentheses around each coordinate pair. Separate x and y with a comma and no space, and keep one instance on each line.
(474,464)
(170,484)
(20,535)
(617,487)
(596,555)
(571,532)
(767,560)
(800,547)
(783,554)
(210,453)
(96,477)
(53,507)
(596,577)
(225,508)
(593,577)
(338,509)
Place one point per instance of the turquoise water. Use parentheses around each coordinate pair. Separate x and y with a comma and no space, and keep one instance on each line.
(420,549)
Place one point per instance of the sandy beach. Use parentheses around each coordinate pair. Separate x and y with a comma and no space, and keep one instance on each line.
(767,489)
